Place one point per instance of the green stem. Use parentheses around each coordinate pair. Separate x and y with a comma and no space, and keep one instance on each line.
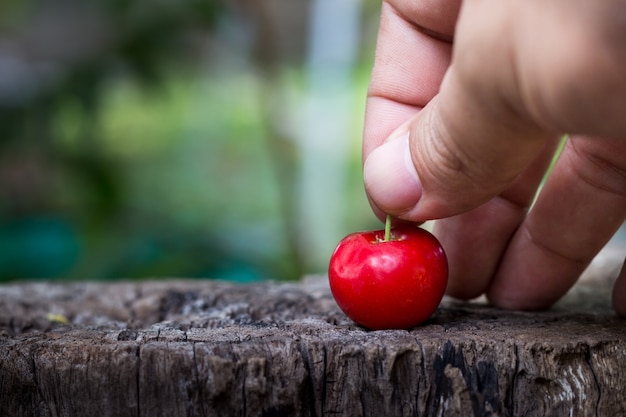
(388,228)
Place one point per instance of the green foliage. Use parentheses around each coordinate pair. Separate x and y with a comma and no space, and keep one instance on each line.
(122,156)
(58,187)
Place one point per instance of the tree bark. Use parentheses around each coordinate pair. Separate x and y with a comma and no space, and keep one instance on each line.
(209,348)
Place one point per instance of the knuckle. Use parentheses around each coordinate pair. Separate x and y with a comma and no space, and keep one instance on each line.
(455,165)
(601,164)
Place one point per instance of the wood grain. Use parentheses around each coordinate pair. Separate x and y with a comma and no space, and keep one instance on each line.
(210,348)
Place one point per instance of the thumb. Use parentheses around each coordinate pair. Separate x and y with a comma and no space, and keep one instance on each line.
(462,149)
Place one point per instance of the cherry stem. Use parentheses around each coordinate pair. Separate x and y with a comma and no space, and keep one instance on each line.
(388,228)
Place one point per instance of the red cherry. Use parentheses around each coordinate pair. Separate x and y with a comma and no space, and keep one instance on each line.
(394,284)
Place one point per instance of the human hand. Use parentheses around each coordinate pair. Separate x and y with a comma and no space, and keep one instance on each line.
(465,110)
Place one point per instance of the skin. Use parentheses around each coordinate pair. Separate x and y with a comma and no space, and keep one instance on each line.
(466,106)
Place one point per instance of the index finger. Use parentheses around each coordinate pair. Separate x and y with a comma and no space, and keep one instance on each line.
(412,55)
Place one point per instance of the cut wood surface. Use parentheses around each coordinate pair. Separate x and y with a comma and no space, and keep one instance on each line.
(209,348)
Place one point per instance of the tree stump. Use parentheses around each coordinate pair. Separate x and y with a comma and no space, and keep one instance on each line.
(209,348)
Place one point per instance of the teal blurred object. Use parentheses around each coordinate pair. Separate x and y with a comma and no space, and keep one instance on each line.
(37,247)
(236,271)
(167,254)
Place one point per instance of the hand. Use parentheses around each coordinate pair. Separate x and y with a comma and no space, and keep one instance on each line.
(465,110)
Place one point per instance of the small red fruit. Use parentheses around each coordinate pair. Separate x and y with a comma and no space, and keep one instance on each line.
(388,284)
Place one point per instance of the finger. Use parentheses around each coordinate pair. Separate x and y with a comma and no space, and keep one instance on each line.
(619,292)
(474,241)
(581,206)
(462,149)
(466,145)
(412,55)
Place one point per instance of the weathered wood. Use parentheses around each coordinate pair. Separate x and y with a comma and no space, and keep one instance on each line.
(206,348)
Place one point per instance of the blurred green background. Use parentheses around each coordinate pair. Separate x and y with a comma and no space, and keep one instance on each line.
(180,138)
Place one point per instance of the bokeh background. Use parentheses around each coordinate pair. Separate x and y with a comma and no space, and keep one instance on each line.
(181,138)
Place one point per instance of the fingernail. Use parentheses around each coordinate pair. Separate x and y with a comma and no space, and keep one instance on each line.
(390,177)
